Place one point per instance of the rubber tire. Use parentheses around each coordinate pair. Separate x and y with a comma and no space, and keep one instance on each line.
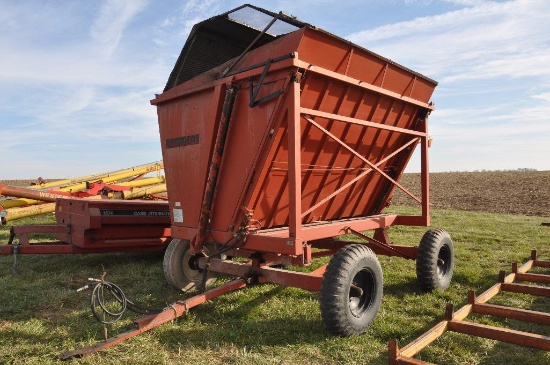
(345,313)
(177,269)
(433,274)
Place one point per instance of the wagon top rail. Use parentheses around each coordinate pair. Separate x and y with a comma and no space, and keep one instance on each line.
(232,34)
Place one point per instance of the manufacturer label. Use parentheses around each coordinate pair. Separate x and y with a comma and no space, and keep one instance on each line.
(182,141)
(135,213)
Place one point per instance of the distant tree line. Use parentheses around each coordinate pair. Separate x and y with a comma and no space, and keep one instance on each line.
(522,169)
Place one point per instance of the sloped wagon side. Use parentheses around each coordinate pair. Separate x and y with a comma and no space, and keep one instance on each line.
(278,137)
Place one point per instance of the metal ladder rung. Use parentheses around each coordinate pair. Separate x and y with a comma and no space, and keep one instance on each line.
(526,289)
(519,314)
(538,263)
(501,334)
(534,278)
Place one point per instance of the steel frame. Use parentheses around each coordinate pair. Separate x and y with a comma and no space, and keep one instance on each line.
(294,243)
(147,323)
(254,272)
(294,239)
(422,138)
(454,320)
(25,247)
(96,226)
(290,240)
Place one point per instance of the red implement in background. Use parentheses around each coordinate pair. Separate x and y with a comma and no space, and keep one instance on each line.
(94,226)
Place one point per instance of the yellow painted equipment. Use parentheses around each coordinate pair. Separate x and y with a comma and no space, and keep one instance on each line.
(150,167)
(140,193)
(21,201)
(28,202)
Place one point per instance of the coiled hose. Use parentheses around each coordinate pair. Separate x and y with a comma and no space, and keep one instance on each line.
(99,308)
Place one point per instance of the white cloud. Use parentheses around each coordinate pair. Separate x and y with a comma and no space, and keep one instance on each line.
(493,101)
(504,136)
(466,2)
(484,40)
(115,15)
(543,96)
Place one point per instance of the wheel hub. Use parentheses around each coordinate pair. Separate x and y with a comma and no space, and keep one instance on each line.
(361,292)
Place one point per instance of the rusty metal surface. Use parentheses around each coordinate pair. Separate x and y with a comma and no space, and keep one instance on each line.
(252,271)
(20,192)
(266,274)
(454,320)
(501,334)
(212,178)
(353,140)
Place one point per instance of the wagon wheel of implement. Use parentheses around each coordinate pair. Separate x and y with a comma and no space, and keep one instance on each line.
(351,291)
(179,266)
(435,260)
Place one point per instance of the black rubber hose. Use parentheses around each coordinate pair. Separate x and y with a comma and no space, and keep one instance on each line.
(99,307)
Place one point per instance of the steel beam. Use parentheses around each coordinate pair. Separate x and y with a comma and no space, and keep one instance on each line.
(519,314)
(501,334)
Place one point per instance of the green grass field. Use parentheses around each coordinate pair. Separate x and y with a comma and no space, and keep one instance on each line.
(42,315)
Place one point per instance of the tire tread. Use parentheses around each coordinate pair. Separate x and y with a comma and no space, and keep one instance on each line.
(426,262)
(334,287)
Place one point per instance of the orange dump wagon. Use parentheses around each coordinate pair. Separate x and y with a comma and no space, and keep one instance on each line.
(278,137)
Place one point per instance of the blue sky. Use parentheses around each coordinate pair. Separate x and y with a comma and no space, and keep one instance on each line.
(76,77)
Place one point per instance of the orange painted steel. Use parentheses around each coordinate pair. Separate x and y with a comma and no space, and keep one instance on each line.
(330,143)
(454,320)
(111,223)
(20,192)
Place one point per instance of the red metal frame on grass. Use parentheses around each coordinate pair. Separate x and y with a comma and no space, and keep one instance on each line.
(455,320)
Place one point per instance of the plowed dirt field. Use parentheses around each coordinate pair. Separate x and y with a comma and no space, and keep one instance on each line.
(525,193)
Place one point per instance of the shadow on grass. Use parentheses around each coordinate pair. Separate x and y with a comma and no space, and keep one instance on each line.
(278,331)
(403,288)
(45,263)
